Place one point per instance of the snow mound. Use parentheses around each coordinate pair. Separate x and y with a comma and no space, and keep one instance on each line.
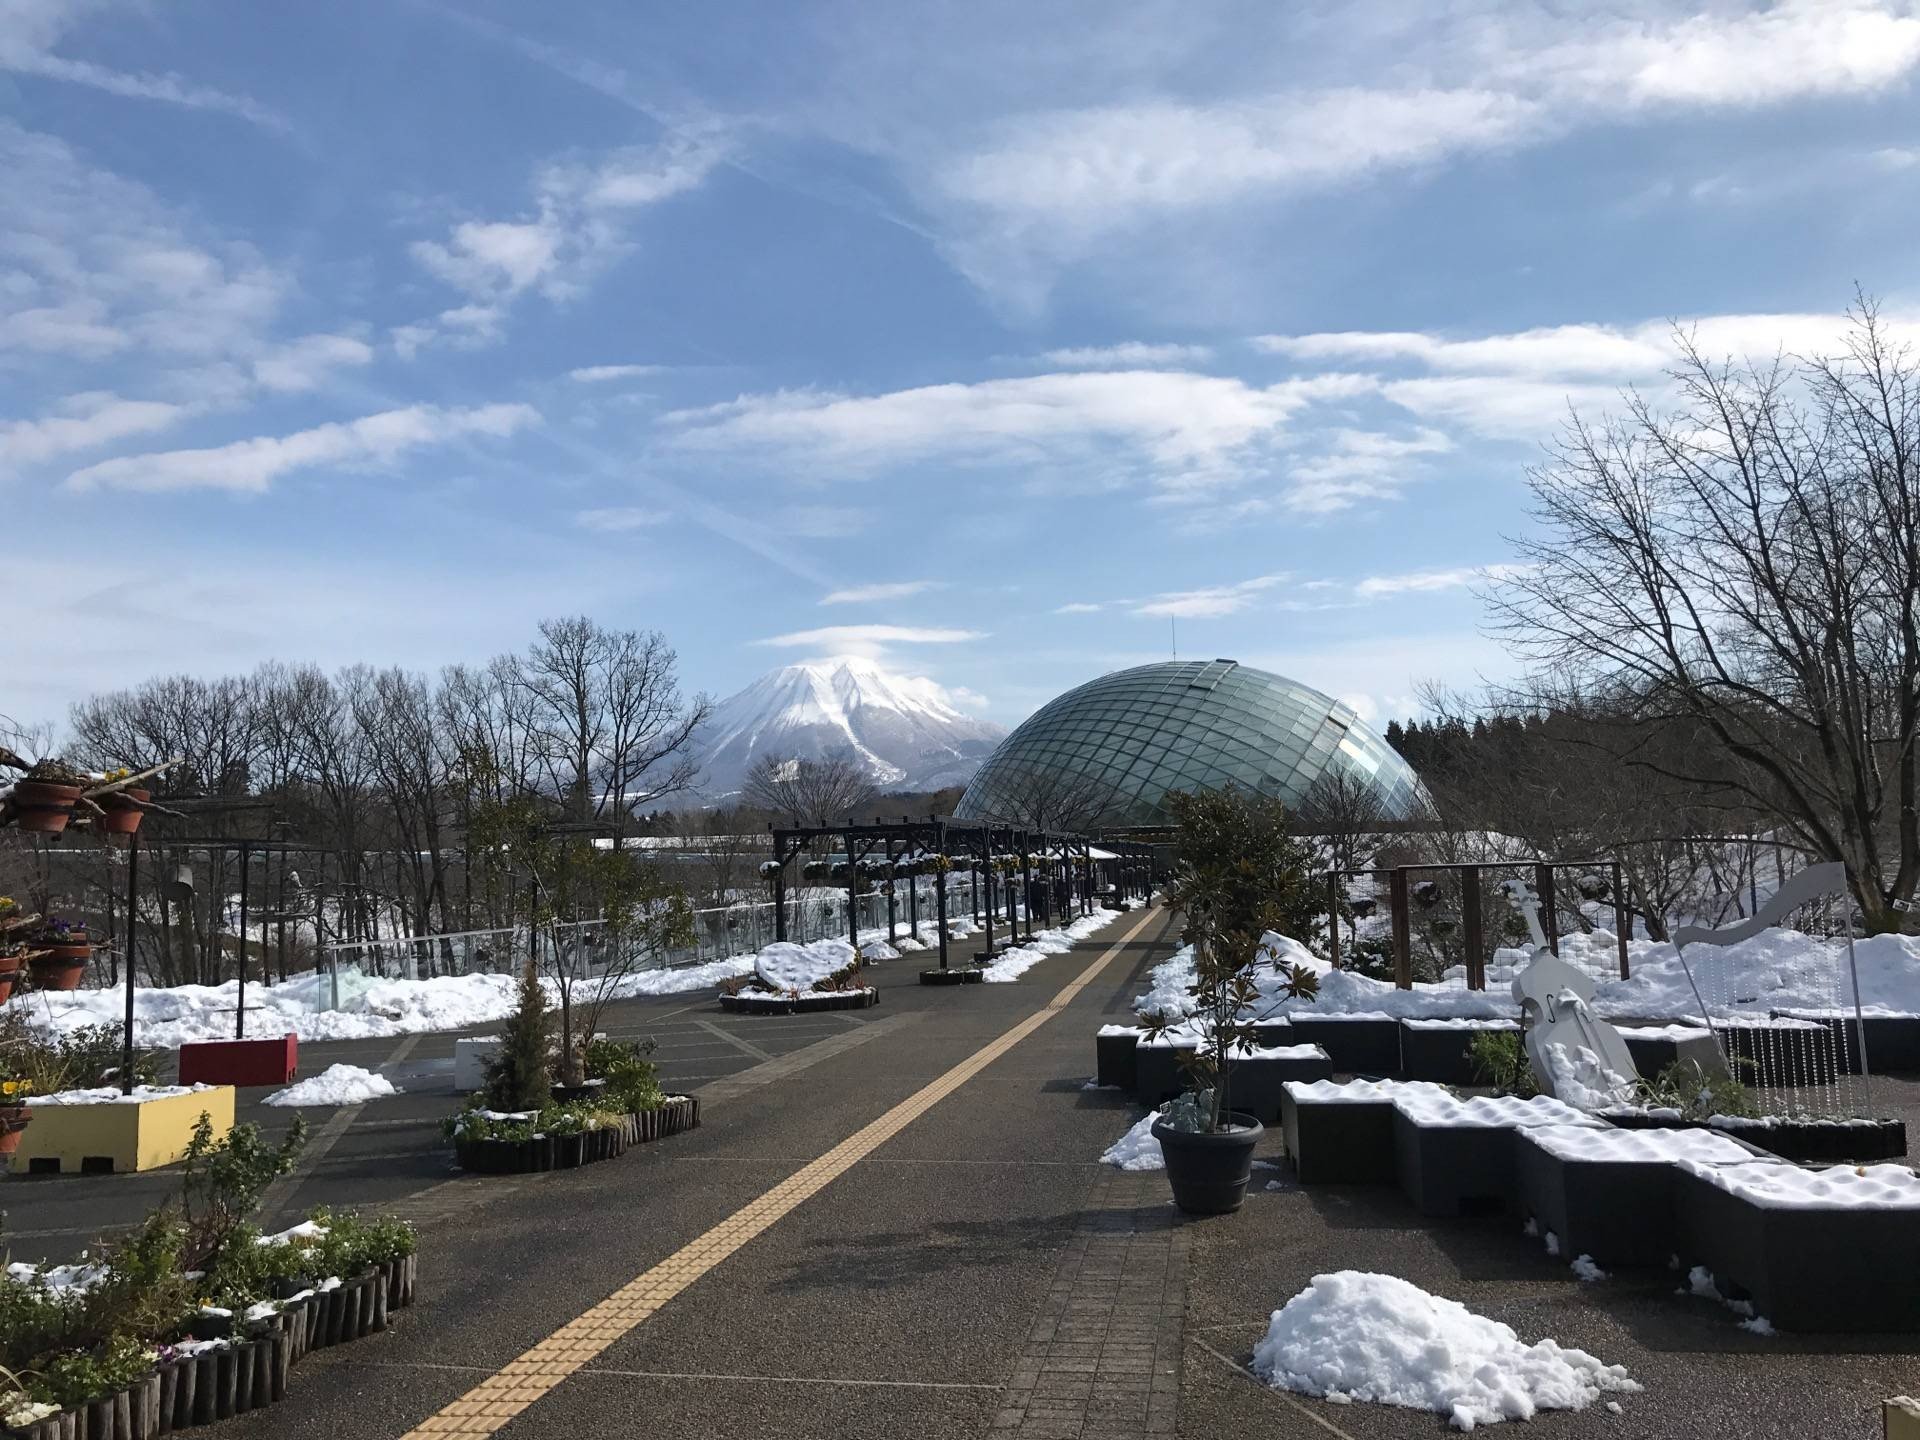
(1016,962)
(788,968)
(1359,1336)
(335,1085)
(1137,1149)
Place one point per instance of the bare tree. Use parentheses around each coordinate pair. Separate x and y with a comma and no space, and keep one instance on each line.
(1046,797)
(810,792)
(1345,812)
(607,713)
(1750,565)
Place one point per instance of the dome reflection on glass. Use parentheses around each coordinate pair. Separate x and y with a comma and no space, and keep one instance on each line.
(1110,751)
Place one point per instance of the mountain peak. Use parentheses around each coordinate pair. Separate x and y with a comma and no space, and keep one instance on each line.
(906,729)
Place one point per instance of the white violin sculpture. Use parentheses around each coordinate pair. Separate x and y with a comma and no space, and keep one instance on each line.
(1577,1057)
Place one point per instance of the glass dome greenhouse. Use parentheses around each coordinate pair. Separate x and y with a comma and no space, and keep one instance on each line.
(1113,749)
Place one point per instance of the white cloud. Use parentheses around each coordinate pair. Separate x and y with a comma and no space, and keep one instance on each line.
(95,265)
(1128,355)
(251,466)
(615,519)
(577,224)
(1599,350)
(1212,600)
(1787,51)
(1077,607)
(861,594)
(1422,582)
(1087,169)
(868,640)
(596,374)
(30,29)
(1187,432)
(85,422)
(309,362)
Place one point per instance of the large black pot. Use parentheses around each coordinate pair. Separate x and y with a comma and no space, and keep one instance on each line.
(1209,1172)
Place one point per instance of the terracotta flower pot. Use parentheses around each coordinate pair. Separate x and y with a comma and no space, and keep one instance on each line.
(60,970)
(13,1120)
(43,807)
(124,814)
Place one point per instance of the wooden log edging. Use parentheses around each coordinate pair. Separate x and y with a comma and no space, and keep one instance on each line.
(221,1381)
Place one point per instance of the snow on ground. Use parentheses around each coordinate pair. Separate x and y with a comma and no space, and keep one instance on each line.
(1016,962)
(1776,970)
(1137,1149)
(1359,1336)
(336,1085)
(110,1095)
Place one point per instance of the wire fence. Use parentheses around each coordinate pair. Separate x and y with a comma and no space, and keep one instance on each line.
(720,933)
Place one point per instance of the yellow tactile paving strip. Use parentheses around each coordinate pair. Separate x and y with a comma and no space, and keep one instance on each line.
(523,1380)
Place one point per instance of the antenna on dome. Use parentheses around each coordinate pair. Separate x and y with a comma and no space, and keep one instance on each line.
(1173,635)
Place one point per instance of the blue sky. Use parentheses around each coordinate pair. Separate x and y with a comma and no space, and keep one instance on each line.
(987,338)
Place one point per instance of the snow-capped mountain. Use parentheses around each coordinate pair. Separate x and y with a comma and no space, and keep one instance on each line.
(905,728)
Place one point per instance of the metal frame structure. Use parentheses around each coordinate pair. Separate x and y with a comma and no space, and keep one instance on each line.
(878,847)
(1399,897)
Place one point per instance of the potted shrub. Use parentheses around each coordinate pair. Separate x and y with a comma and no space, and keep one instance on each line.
(1239,874)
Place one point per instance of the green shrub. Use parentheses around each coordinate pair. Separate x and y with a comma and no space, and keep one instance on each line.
(633,1081)
(77,1376)
(519,1078)
(1499,1059)
(224,1180)
(1696,1094)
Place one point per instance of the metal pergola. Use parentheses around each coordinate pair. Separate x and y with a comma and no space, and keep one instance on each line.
(1070,874)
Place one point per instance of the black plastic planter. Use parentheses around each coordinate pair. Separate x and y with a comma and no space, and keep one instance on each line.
(1209,1172)
(1829,1142)
(1357,1045)
(1113,1048)
(1438,1050)
(1893,1041)
(752,1002)
(1607,1193)
(1803,1268)
(1340,1135)
(953,975)
(1255,1083)
(1654,1049)
(1270,1033)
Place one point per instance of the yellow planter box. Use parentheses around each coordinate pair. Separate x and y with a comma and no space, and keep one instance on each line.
(119,1136)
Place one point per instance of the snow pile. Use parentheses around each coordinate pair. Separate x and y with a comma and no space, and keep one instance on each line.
(336,1085)
(1773,1186)
(1359,1336)
(1137,1149)
(1584,1267)
(1581,1078)
(1016,962)
(110,1095)
(787,968)
(1607,1146)
(1342,992)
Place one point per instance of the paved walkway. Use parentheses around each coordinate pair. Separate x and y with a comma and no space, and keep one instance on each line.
(892,1224)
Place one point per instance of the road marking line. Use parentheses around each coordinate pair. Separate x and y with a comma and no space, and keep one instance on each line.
(732,1039)
(1280,1395)
(521,1381)
(702,1375)
(281,1191)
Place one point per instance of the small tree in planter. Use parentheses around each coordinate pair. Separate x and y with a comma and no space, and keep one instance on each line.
(518,1080)
(1239,874)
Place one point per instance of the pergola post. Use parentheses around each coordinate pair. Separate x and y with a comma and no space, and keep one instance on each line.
(133,936)
(888,882)
(1622,916)
(1333,918)
(1402,929)
(1549,909)
(240,1006)
(940,894)
(1026,880)
(779,886)
(1472,922)
(986,859)
(853,892)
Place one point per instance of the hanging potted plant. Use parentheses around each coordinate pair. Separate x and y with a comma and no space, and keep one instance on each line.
(1239,874)
(58,955)
(42,800)
(14,1091)
(122,810)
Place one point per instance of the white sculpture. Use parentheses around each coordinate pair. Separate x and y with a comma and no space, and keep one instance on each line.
(1577,1057)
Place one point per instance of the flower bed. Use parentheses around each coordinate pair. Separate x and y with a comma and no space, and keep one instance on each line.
(195,1316)
(759,1002)
(561,1137)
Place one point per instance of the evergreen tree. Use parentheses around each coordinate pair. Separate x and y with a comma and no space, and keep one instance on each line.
(518,1080)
